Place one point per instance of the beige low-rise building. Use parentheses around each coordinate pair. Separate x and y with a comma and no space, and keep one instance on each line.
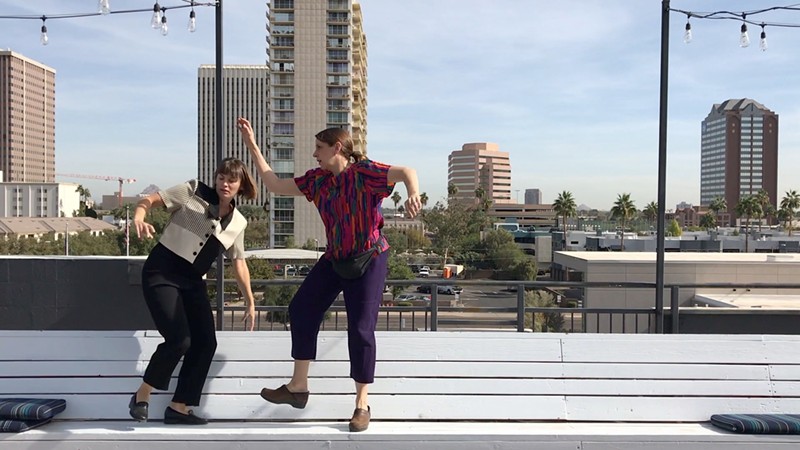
(36,227)
(679,269)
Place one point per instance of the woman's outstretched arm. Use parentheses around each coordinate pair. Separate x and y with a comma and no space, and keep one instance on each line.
(282,186)
(407,176)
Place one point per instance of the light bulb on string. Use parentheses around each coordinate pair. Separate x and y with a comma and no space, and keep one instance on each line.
(164,27)
(763,43)
(192,21)
(744,39)
(103,7)
(43,37)
(155,22)
(687,35)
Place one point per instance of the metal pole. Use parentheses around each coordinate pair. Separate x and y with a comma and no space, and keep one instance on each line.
(219,135)
(127,231)
(674,311)
(271,217)
(662,156)
(521,311)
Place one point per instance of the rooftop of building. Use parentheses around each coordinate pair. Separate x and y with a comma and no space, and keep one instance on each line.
(37,225)
(284,253)
(683,257)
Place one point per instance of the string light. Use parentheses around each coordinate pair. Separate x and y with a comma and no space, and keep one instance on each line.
(164,26)
(744,39)
(155,21)
(104,8)
(43,37)
(192,21)
(687,35)
(742,17)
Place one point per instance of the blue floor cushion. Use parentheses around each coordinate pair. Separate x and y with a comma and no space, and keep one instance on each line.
(28,409)
(758,423)
(16,425)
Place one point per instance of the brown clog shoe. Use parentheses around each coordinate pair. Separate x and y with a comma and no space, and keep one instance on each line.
(360,420)
(282,396)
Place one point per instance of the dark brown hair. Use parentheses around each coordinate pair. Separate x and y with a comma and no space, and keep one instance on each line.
(236,169)
(331,136)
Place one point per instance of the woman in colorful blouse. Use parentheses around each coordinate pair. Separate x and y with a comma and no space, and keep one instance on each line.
(347,189)
(204,222)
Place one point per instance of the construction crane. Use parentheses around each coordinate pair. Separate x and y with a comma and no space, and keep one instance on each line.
(101,177)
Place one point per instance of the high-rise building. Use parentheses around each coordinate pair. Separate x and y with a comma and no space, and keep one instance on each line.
(480,165)
(738,152)
(27,119)
(318,61)
(533,197)
(246,91)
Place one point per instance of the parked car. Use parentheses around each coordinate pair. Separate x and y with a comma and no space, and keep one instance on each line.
(447,289)
(450,290)
(411,298)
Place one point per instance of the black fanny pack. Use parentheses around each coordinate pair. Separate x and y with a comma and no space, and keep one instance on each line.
(354,266)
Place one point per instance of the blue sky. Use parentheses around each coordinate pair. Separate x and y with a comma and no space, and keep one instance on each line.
(570,89)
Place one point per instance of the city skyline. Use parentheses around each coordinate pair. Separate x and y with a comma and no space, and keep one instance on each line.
(570,91)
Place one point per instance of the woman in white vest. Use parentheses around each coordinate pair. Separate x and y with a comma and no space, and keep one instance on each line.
(204,222)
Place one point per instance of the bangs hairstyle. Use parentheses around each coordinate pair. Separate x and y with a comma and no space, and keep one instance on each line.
(236,169)
(331,136)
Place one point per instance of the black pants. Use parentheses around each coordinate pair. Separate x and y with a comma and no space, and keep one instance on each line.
(182,313)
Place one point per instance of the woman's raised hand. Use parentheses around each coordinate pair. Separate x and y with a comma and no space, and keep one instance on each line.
(247,131)
(143,229)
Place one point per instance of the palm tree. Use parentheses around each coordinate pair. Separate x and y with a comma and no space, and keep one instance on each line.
(423,199)
(483,201)
(790,203)
(708,221)
(748,207)
(785,216)
(624,209)
(396,199)
(717,205)
(769,211)
(762,197)
(452,190)
(564,206)
(650,212)
(84,195)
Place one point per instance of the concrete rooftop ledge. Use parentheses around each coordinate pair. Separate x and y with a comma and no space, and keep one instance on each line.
(417,435)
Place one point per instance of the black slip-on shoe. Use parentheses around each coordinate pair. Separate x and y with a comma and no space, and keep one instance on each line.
(138,410)
(172,417)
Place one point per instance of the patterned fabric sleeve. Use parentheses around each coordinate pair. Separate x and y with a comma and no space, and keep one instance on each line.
(237,249)
(307,183)
(375,177)
(177,196)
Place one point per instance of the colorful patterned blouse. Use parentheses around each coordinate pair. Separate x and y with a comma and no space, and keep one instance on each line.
(350,205)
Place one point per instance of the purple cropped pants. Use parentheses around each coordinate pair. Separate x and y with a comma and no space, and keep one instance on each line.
(362,298)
